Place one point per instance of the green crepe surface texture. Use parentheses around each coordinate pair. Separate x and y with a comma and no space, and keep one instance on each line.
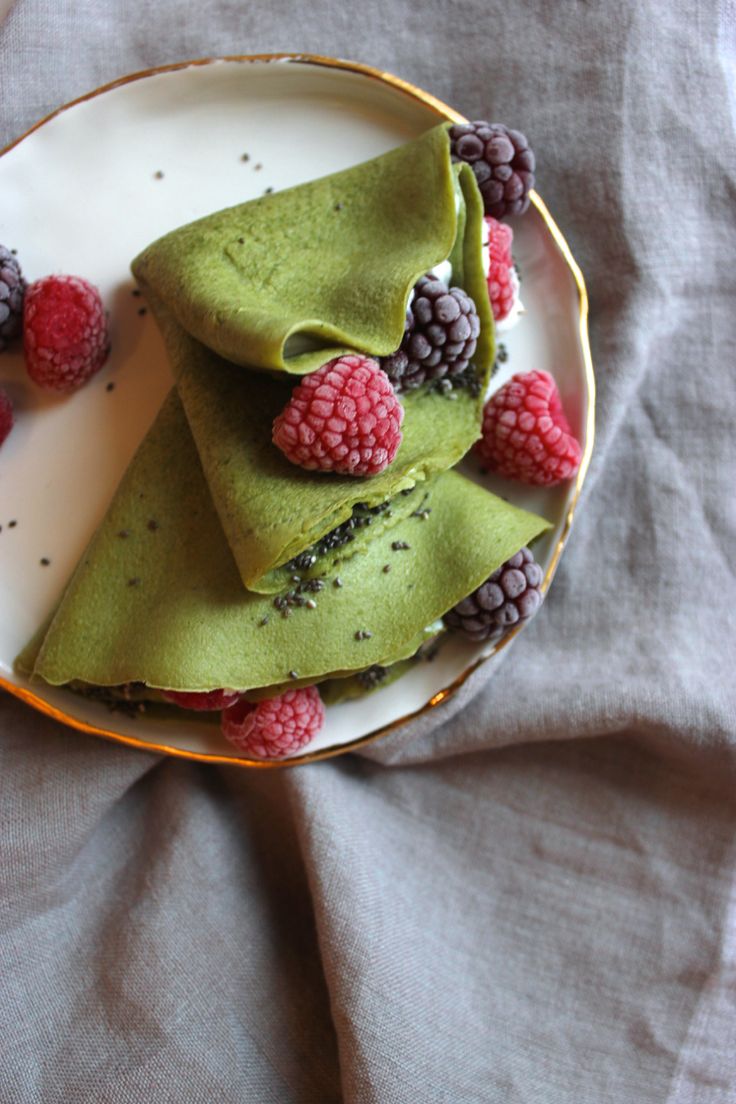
(165,605)
(328,264)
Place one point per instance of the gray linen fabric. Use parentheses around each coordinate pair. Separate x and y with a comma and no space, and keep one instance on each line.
(533,896)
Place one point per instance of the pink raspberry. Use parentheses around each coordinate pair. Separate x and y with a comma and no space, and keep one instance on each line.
(206,700)
(64,332)
(526,435)
(273,728)
(6,415)
(502,280)
(342,418)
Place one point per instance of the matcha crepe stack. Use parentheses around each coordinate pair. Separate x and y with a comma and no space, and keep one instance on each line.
(240,570)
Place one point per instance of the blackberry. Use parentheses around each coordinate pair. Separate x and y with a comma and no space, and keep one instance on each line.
(12,290)
(440,337)
(511,594)
(502,162)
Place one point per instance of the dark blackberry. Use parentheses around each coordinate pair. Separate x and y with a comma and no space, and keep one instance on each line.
(502,162)
(440,337)
(509,595)
(12,290)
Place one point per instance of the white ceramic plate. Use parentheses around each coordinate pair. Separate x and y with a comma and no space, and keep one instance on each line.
(83,192)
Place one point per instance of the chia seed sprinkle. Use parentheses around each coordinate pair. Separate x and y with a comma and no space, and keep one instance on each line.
(158,175)
(134,582)
(110,386)
(337,581)
(136,292)
(12,524)
(258,167)
(338,206)
(143,310)
(245,157)
(264,620)
(400,546)
(152,525)
(363,634)
(386,568)
(310,603)
(124,533)
(44,561)
(502,354)
(267,191)
(293,674)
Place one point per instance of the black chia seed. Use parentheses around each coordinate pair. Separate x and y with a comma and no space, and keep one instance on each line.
(124,533)
(372,676)
(263,621)
(293,674)
(502,354)
(110,386)
(153,525)
(386,568)
(400,546)
(142,310)
(337,581)
(12,524)
(245,157)
(134,582)
(158,175)
(44,561)
(363,634)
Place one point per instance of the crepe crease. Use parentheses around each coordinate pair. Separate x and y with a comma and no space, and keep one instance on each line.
(214,514)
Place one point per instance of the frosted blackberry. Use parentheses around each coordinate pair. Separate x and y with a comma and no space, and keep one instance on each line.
(12,289)
(511,594)
(442,328)
(502,162)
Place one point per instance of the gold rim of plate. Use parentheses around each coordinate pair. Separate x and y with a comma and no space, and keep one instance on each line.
(443,111)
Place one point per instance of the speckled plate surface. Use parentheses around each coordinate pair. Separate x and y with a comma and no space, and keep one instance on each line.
(83,192)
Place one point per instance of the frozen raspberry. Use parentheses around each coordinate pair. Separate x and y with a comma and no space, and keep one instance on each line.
(502,162)
(342,418)
(509,595)
(441,334)
(503,283)
(12,289)
(206,700)
(275,727)
(64,332)
(525,432)
(6,415)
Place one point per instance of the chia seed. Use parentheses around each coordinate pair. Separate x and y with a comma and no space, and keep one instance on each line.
(363,634)
(12,524)
(158,175)
(386,568)
(153,525)
(337,581)
(372,676)
(124,533)
(293,675)
(134,582)
(400,546)
(44,561)
(142,310)
(310,603)
(110,386)
(502,354)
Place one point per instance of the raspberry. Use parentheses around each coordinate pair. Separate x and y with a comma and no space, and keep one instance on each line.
(12,290)
(502,162)
(342,418)
(509,595)
(277,726)
(207,700)
(441,334)
(64,332)
(6,415)
(503,283)
(525,432)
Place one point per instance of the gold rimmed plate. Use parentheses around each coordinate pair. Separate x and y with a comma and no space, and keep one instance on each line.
(89,187)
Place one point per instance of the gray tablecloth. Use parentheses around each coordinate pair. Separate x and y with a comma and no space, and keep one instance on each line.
(534,900)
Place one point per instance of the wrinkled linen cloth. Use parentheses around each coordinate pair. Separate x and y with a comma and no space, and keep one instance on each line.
(531,895)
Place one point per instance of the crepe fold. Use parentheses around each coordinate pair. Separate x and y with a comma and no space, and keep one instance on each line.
(164,604)
(291,280)
(332,263)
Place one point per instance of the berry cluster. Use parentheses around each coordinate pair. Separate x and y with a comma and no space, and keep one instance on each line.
(442,328)
(511,594)
(502,162)
(343,418)
(526,435)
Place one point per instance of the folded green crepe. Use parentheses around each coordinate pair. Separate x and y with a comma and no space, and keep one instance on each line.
(334,259)
(157,597)
(290,280)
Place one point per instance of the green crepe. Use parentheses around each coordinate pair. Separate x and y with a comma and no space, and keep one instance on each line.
(288,281)
(272,510)
(232,289)
(165,605)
